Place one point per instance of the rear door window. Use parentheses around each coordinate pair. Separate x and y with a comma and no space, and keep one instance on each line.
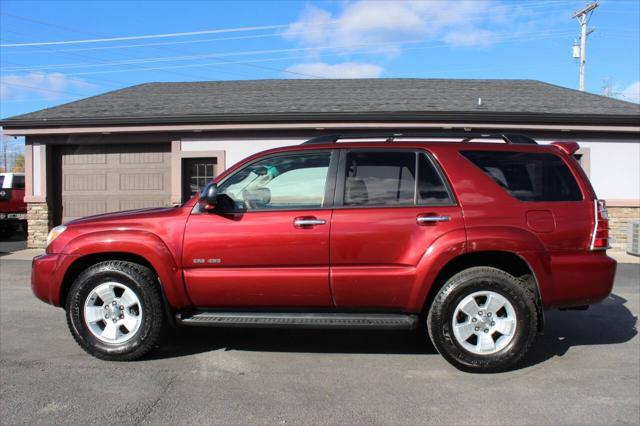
(528,176)
(393,178)
(380,178)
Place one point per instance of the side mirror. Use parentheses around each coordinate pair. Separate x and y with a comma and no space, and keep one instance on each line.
(209,197)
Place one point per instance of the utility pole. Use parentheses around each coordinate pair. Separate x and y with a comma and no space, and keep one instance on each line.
(583,16)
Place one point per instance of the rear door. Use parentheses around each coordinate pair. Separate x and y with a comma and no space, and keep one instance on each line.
(390,207)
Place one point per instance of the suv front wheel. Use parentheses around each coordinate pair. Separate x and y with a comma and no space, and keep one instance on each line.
(483,320)
(114,310)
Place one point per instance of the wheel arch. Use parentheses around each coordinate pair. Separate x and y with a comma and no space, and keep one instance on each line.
(86,261)
(506,261)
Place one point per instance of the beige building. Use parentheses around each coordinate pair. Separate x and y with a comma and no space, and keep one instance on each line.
(155,144)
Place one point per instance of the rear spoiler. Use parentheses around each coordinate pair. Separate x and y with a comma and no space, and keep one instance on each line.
(568,147)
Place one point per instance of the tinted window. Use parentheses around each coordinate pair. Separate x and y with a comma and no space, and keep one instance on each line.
(431,187)
(18,182)
(528,176)
(283,182)
(1,181)
(379,178)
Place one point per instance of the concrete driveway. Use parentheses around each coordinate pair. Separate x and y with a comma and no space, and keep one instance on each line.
(585,370)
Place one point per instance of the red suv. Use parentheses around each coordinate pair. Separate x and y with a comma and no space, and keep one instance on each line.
(471,239)
(13,209)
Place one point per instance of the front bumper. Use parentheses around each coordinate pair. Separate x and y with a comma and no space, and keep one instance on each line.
(47,275)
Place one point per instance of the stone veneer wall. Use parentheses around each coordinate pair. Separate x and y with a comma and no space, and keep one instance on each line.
(39,222)
(618,219)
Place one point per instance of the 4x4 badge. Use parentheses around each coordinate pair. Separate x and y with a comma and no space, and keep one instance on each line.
(214,261)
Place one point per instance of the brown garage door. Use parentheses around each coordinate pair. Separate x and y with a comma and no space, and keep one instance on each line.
(107,178)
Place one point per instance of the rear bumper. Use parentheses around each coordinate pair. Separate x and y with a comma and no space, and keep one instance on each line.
(47,274)
(581,278)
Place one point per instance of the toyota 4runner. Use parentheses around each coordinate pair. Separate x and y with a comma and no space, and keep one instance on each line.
(465,239)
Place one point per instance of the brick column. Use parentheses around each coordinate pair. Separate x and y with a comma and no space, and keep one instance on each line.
(39,216)
(39,222)
(619,217)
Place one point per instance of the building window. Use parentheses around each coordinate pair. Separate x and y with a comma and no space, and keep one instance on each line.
(196,173)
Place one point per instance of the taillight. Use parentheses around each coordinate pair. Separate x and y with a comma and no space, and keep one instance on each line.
(600,237)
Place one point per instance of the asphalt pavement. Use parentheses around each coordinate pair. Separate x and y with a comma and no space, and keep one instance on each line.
(585,370)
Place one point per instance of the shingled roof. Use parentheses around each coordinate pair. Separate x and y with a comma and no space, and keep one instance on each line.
(314,100)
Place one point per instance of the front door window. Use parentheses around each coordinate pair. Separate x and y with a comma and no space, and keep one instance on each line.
(286,182)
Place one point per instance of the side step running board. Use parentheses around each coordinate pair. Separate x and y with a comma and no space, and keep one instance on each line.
(299,320)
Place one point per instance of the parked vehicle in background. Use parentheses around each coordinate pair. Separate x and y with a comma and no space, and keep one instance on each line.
(467,241)
(13,209)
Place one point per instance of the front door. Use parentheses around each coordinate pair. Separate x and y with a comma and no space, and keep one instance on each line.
(272,249)
(390,207)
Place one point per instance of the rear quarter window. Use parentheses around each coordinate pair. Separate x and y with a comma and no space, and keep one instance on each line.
(528,176)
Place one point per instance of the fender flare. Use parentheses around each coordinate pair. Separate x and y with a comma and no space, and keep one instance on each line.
(456,243)
(140,243)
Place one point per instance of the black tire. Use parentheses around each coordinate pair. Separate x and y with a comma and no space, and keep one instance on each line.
(140,280)
(440,319)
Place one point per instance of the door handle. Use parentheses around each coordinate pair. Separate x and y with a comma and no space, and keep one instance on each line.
(302,222)
(425,220)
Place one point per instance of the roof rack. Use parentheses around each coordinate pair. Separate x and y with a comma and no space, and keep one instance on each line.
(390,137)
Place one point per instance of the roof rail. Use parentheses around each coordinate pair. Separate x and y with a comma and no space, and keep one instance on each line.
(390,137)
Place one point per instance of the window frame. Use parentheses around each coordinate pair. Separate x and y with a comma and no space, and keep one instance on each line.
(338,200)
(329,188)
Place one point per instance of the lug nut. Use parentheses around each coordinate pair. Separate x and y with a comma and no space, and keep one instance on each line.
(121,308)
(486,330)
(477,328)
(121,316)
(474,319)
(480,313)
(488,314)
(493,323)
(106,316)
(113,303)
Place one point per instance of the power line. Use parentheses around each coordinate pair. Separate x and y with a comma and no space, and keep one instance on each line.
(39,89)
(55,25)
(253,61)
(150,36)
(314,49)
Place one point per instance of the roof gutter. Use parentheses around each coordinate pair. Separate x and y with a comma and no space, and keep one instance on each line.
(477,116)
(314,126)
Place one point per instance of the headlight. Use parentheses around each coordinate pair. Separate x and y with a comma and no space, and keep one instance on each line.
(55,233)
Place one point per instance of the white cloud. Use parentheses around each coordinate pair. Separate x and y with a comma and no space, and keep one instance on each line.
(454,22)
(631,93)
(46,85)
(342,70)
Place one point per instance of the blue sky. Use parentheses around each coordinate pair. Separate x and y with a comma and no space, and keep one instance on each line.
(422,39)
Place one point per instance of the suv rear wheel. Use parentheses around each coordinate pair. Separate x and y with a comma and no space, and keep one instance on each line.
(114,310)
(483,320)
